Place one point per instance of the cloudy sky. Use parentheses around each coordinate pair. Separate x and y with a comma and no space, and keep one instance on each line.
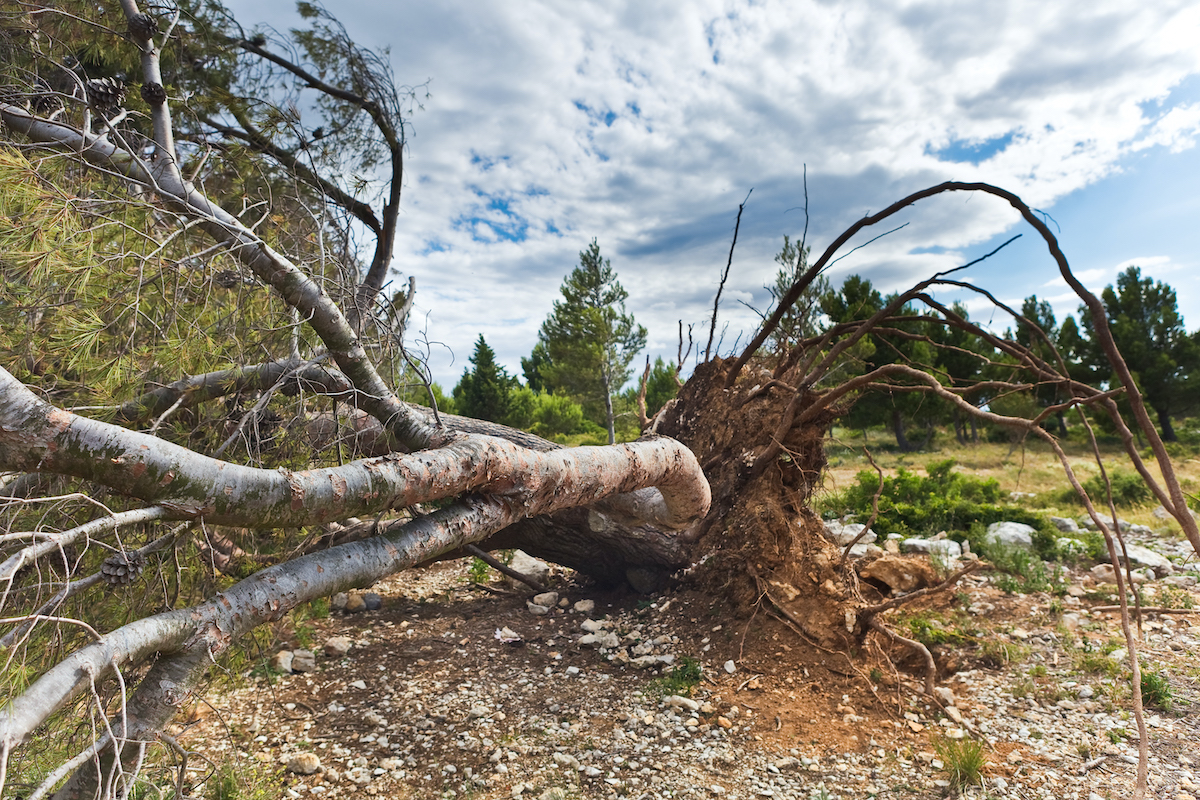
(644,124)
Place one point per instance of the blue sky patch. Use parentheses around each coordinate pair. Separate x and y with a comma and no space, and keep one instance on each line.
(485,163)
(434,246)
(971,152)
(494,215)
(608,116)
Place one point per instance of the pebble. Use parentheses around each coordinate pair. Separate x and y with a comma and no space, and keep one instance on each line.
(730,667)
(585,606)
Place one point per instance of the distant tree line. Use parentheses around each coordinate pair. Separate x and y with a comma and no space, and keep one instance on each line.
(576,370)
(1142,312)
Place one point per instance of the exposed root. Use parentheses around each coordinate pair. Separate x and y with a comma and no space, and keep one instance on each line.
(500,566)
(920,649)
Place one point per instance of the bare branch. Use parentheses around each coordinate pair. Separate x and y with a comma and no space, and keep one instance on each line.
(712,328)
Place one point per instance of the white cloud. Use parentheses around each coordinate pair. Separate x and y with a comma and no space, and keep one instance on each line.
(644,124)
(1147,263)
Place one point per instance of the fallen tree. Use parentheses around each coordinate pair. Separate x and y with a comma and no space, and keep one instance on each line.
(722,482)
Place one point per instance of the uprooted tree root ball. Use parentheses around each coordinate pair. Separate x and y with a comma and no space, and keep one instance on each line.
(761,534)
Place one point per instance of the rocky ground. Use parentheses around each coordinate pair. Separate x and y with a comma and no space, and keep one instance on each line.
(448,689)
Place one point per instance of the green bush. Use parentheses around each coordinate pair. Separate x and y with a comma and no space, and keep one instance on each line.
(1156,690)
(682,680)
(1128,489)
(942,500)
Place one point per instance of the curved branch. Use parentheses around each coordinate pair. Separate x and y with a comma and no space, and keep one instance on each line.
(51,542)
(257,140)
(211,627)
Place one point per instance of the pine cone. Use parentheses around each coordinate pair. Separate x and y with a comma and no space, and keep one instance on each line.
(153,93)
(122,569)
(105,95)
(227,279)
(46,101)
(142,26)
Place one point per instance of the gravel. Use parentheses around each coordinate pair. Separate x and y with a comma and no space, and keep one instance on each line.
(573,702)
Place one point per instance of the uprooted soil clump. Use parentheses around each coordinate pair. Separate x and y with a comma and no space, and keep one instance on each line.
(761,535)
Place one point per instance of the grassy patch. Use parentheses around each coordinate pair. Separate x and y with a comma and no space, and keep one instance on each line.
(995,653)
(682,679)
(930,629)
(963,760)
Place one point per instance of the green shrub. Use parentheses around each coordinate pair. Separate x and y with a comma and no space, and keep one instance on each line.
(1021,571)
(478,571)
(1156,690)
(682,680)
(942,500)
(929,630)
(1128,489)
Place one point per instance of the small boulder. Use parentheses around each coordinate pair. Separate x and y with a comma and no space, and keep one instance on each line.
(528,566)
(1011,534)
(337,646)
(1065,525)
(303,661)
(372,601)
(900,573)
(585,607)
(282,661)
(943,548)
(304,763)
(945,694)
(536,609)
(678,701)
(841,534)
(355,603)
(1162,514)
(546,599)
(1145,557)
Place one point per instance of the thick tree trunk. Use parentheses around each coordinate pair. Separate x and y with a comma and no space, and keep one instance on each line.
(898,429)
(1164,423)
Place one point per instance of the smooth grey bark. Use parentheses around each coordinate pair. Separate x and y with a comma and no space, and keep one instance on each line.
(38,437)
(608,405)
